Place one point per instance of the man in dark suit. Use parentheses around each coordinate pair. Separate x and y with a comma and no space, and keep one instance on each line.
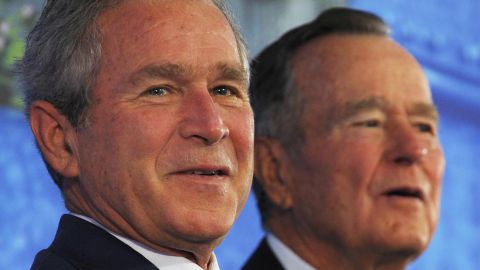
(348,163)
(142,115)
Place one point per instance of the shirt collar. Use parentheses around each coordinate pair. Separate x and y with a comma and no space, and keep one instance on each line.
(161,261)
(289,259)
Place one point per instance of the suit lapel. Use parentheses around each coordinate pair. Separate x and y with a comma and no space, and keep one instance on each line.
(87,246)
(263,258)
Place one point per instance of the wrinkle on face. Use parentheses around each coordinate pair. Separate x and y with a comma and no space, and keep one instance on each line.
(343,163)
(133,145)
(185,73)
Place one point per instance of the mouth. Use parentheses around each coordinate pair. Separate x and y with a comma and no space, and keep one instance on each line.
(405,192)
(207,172)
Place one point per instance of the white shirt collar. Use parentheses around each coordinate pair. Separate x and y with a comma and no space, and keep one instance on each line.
(286,256)
(161,261)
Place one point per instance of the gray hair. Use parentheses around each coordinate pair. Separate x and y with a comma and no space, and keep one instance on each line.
(63,53)
(278,106)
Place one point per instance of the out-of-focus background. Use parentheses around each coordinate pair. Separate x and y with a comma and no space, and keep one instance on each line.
(443,35)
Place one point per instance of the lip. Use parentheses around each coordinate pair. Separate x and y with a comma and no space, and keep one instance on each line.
(204,171)
(405,192)
(199,179)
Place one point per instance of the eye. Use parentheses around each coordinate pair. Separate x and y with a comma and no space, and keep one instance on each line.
(368,123)
(425,128)
(157,91)
(222,91)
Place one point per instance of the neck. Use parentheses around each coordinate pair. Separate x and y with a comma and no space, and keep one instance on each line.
(199,252)
(328,255)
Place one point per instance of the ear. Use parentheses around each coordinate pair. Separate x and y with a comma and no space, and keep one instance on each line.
(272,171)
(55,137)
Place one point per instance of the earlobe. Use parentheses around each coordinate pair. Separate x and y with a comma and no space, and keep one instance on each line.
(271,170)
(55,136)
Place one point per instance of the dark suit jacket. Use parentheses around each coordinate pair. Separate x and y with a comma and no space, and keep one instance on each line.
(79,244)
(263,259)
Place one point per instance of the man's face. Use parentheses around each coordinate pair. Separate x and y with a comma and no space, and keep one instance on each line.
(368,177)
(166,155)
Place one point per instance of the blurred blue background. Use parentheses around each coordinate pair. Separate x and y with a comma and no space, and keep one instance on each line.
(443,35)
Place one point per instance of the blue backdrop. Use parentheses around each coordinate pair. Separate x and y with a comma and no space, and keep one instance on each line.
(444,37)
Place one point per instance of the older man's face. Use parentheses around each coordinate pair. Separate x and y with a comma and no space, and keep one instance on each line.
(166,155)
(369,174)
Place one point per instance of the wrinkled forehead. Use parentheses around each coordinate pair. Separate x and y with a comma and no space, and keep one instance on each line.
(340,68)
(137,33)
(144,16)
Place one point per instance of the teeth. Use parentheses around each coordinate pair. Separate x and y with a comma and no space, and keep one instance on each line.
(205,172)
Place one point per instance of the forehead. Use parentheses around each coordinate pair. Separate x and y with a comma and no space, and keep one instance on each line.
(141,32)
(342,68)
(172,15)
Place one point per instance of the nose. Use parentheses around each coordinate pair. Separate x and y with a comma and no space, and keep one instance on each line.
(408,146)
(202,121)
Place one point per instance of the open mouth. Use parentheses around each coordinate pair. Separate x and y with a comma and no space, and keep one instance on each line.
(412,193)
(206,172)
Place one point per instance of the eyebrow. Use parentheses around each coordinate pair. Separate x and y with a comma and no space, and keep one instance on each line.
(369,104)
(233,73)
(350,109)
(425,110)
(173,71)
(221,71)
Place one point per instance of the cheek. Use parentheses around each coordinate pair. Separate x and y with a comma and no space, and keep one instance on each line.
(142,130)
(241,129)
(357,158)
(343,169)
(435,172)
(242,135)
(438,163)
(127,136)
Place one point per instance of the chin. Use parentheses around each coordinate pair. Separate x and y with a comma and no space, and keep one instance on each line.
(407,236)
(201,227)
(408,245)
